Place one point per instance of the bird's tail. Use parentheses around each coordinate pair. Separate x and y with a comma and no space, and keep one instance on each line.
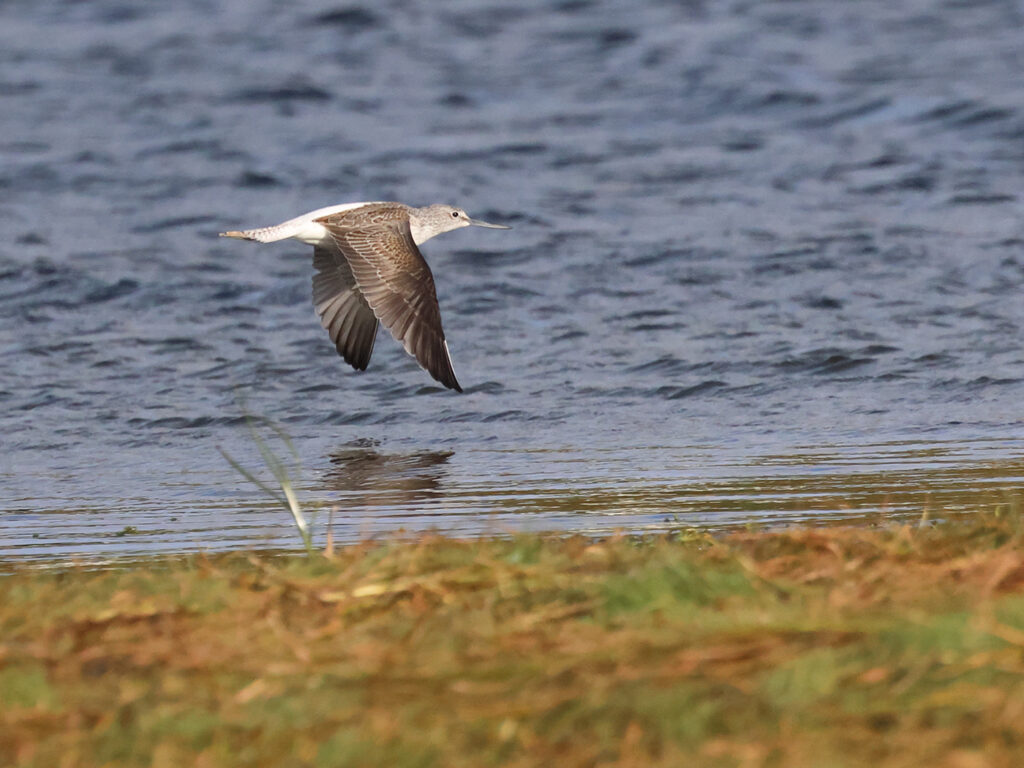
(264,234)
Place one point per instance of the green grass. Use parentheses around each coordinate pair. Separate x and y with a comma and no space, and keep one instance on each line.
(812,647)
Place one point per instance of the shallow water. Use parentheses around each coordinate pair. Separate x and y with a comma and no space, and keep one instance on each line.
(766,264)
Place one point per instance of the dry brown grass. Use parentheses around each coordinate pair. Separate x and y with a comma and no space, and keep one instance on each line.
(810,647)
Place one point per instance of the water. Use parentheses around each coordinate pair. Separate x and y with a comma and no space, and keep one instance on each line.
(766,264)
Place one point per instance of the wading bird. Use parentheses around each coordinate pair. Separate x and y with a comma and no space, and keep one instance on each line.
(369,270)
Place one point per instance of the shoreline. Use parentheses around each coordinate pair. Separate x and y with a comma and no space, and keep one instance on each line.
(898,645)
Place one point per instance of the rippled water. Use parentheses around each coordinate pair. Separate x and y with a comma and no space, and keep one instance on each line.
(766,264)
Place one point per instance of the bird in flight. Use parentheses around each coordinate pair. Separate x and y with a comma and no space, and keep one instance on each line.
(369,270)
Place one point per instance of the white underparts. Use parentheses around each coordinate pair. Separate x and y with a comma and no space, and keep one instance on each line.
(302,228)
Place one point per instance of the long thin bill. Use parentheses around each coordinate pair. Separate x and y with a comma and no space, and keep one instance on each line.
(478,223)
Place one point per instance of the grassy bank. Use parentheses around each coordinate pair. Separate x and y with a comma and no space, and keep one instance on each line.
(839,647)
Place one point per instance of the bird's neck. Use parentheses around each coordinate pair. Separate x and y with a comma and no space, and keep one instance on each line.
(420,232)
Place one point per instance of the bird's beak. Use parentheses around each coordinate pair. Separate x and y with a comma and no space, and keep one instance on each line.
(478,223)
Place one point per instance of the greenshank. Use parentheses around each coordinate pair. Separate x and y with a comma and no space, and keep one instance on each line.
(369,270)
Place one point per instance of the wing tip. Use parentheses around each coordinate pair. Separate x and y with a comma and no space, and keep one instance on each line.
(449,379)
(357,351)
(359,365)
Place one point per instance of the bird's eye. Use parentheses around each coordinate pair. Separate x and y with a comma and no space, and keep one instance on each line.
(455,214)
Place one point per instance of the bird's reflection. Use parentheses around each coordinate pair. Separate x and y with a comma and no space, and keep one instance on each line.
(368,477)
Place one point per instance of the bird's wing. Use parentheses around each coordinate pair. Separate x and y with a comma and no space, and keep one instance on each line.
(342,307)
(397,284)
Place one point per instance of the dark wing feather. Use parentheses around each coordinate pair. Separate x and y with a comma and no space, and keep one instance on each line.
(342,307)
(396,282)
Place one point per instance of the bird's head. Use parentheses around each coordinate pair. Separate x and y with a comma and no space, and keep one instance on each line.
(435,219)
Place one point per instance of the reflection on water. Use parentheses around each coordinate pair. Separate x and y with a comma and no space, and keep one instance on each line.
(373,492)
(362,476)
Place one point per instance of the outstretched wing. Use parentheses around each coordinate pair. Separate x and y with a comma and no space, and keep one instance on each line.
(396,282)
(342,307)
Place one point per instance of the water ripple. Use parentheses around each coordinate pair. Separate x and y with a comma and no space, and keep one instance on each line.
(738,229)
